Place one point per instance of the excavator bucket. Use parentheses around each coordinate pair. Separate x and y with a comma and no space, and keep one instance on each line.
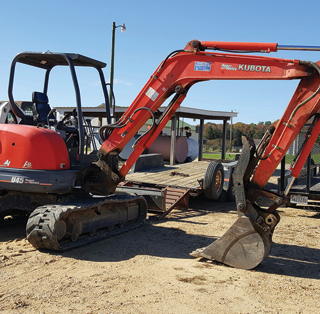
(248,241)
(245,245)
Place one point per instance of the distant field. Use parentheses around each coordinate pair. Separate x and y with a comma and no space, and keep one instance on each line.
(289,158)
(217,156)
(314,157)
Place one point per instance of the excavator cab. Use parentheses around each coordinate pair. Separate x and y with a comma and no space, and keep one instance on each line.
(41,113)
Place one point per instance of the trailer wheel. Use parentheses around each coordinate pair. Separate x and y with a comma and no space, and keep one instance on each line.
(213,181)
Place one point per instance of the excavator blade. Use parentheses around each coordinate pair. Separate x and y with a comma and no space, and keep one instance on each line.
(245,245)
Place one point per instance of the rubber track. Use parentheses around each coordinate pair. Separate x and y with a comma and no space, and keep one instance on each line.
(40,226)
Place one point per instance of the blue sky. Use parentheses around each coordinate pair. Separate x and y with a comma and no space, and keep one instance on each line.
(154,29)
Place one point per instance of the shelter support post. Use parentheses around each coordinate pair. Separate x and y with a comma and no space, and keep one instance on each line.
(224,140)
(201,139)
(173,140)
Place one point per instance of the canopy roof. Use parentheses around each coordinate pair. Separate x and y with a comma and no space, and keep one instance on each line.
(48,60)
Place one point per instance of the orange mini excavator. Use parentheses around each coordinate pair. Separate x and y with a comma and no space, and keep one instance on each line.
(68,191)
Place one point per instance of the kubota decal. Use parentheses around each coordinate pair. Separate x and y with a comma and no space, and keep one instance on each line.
(254,68)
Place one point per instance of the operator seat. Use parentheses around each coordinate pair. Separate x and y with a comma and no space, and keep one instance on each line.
(41,108)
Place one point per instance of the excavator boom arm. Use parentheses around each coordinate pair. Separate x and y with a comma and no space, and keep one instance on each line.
(177,73)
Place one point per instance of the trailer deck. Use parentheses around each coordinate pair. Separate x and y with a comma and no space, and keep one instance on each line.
(185,175)
(169,187)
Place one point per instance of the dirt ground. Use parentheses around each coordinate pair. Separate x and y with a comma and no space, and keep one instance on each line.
(149,270)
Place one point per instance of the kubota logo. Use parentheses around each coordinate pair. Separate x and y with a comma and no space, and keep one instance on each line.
(254,68)
(27,164)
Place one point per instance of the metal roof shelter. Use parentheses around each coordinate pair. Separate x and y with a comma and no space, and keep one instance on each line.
(182,112)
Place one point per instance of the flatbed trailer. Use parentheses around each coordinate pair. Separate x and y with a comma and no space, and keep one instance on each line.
(169,187)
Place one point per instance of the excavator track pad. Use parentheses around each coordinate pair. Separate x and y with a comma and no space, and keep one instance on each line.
(245,244)
(62,227)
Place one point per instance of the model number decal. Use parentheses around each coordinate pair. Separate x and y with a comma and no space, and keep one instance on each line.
(19,180)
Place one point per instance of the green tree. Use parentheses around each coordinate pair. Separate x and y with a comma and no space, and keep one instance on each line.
(213,131)
(237,138)
(259,131)
(217,133)
(209,133)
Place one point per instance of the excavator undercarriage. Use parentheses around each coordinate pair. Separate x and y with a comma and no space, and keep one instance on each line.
(64,226)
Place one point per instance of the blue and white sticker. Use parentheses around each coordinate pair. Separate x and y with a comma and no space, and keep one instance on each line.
(152,94)
(202,66)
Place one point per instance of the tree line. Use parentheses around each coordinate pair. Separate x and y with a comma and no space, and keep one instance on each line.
(213,132)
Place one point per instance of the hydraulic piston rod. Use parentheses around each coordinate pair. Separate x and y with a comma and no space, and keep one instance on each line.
(304,48)
(254,47)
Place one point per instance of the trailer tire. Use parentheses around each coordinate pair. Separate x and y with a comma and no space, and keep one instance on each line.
(213,181)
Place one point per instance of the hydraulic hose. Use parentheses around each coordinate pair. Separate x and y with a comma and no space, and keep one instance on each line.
(122,123)
(315,66)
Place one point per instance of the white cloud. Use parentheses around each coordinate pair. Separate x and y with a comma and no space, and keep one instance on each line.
(116,81)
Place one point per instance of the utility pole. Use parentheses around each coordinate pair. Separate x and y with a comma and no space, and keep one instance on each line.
(123,29)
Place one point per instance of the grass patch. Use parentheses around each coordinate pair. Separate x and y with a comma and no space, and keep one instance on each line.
(218,156)
(315,157)
(231,156)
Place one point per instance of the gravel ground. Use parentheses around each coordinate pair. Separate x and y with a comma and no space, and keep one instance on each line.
(149,270)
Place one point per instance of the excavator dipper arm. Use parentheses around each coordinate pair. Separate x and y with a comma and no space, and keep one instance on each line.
(248,241)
